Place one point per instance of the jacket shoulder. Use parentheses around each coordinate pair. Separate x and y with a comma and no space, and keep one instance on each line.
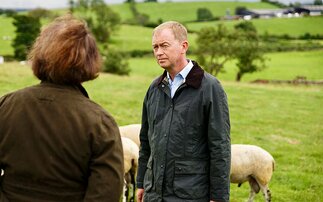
(12,95)
(212,81)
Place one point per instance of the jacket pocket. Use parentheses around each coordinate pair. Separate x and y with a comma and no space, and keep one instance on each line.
(149,178)
(191,179)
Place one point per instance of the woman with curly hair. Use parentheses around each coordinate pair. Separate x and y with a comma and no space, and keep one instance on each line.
(55,143)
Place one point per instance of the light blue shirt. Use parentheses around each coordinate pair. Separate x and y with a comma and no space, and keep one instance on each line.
(179,79)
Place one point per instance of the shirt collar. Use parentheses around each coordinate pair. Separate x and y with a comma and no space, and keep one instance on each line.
(194,77)
(184,72)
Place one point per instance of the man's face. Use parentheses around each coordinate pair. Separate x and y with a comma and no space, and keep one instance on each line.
(167,50)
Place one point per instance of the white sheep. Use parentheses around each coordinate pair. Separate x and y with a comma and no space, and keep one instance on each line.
(248,163)
(131,131)
(253,164)
(130,155)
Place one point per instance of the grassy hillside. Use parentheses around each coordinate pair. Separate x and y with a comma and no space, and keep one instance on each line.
(184,11)
(139,38)
(277,26)
(283,66)
(283,119)
(130,37)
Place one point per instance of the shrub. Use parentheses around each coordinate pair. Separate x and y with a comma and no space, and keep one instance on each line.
(204,14)
(114,62)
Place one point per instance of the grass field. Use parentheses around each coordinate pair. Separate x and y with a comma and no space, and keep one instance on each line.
(130,37)
(278,26)
(283,66)
(285,120)
(184,11)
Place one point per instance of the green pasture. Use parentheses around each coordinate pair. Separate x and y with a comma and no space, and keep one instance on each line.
(277,26)
(285,120)
(184,11)
(283,66)
(130,37)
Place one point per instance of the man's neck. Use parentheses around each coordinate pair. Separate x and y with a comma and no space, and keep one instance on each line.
(174,71)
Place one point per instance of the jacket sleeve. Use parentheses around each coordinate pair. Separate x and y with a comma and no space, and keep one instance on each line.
(144,151)
(3,197)
(106,167)
(219,144)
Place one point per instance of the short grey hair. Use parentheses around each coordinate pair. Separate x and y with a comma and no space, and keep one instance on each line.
(179,31)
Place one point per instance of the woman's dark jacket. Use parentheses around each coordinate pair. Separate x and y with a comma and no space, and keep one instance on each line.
(58,145)
(185,141)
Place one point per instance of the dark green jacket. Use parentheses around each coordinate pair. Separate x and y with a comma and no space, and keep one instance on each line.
(185,141)
(58,145)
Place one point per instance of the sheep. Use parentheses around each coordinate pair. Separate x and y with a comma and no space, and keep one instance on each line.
(253,164)
(131,131)
(248,163)
(130,155)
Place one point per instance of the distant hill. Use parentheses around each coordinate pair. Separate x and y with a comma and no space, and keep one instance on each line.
(185,12)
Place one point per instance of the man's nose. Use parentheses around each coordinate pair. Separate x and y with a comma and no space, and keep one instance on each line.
(159,51)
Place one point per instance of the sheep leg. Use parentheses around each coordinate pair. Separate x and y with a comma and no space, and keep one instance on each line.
(124,197)
(125,191)
(132,199)
(266,192)
(254,189)
(252,195)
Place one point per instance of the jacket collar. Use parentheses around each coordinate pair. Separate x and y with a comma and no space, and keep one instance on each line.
(194,77)
(77,87)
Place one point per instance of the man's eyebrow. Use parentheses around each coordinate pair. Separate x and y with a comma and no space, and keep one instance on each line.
(162,43)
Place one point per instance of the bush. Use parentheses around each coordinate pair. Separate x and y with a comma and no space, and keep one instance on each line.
(204,14)
(139,53)
(114,62)
(40,13)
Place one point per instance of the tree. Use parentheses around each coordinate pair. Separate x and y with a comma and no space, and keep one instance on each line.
(151,1)
(27,29)
(9,12)
(204,14)
(318,2)
(248,52)
(103,22)
(100,18)
(214,48)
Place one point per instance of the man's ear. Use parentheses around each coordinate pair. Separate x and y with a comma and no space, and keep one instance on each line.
(184,46)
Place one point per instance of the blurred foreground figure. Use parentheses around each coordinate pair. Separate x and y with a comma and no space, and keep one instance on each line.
(55,143)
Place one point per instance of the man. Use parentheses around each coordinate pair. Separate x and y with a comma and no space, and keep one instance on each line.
(185,134)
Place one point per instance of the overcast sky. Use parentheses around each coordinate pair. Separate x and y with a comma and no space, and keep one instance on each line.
(29,4)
